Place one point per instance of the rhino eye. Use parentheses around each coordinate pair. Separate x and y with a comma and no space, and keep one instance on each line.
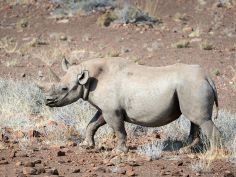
(64,88)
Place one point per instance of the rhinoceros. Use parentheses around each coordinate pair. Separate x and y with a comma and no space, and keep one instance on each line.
(123,91)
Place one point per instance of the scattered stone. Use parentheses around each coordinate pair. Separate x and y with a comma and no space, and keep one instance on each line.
(71,144)
(40,170)
(63,38)
(76,170)
(198,174)
(19,134)
(99,169)
(21,154)
(13,154)
(176,173)
(4,162)
(40,74)
(34,133)
(129,171)
(61,153)
(19,163)
(187,29)
(180,163)
(29,164)
(228,174)
(29,171)
(52,171)
(37,161)
(21,175)
(118,170)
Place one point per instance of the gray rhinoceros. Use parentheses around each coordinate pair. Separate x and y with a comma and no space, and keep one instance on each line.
(123,91)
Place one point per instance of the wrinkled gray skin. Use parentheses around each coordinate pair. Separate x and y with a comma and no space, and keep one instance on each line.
(123,91)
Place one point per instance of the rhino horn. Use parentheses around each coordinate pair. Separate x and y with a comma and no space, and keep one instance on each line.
(54,76)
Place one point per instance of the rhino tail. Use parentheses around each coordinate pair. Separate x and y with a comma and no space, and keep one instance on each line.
(209,80)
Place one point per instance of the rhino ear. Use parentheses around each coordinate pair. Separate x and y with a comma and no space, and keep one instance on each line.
(65,64)
(83,77)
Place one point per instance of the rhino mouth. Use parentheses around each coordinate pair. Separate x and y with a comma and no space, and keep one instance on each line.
(51,102)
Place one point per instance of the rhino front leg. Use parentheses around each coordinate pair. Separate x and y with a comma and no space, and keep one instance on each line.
(194,138)
(116,122)
(96,122)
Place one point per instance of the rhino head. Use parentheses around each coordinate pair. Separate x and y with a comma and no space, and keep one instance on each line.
(68,89)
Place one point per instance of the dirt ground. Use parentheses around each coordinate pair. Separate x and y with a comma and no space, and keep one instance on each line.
(144,45)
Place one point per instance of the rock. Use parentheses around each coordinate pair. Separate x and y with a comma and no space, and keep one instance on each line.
(21,154)
(52,171)
(187,29)
(99,169)
(40,170)
(29,164)
(129,170)
(116,160)
(71,144)
(76,170)
(29,171)
(23,75)
(63,38)
(3,162)
(61,153)
(180,163)
(34,133)
(228,174)
(19,134)
(176,173)
(19,163)
(40,74)
(21,175)
(38,161)
(118,170)
(13,154)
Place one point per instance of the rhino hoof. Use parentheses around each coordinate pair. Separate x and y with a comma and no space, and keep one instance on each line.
(185,150)
(121,149)
(86,145)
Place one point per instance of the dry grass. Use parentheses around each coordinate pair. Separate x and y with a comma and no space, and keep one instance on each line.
(9,45)
(149,6)
(181,44)
(206,45)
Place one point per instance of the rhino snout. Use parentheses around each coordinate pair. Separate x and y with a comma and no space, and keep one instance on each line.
(49,100)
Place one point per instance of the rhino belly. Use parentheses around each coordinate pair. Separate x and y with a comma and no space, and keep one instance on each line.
(154,116)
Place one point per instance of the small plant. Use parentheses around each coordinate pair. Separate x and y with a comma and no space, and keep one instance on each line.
(195,33)
(11,63)
(23,23)
(206,46)
(152,151)
(182,44)
(180,17)
(37,42)
(216,72)
(106,19)
(8,44)
(113,53)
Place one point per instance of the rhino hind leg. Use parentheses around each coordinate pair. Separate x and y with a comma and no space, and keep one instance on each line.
(96,122)
(212,133)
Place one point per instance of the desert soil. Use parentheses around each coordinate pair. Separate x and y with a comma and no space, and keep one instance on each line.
(147,46)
